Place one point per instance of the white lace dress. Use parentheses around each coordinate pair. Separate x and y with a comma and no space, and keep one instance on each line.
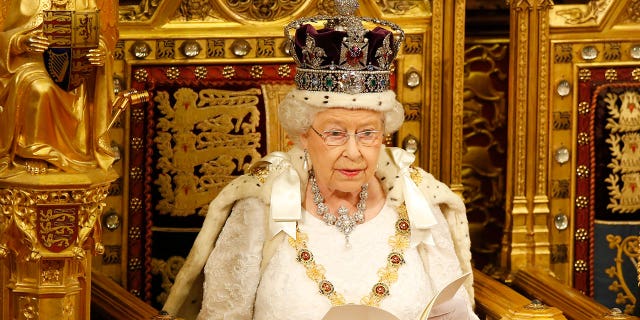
(235,289)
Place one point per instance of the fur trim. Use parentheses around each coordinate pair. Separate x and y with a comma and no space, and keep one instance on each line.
(385,102)
(246,186)
(454,211)
(378,101)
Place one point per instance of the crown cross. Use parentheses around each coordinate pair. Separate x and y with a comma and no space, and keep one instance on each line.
(354,57)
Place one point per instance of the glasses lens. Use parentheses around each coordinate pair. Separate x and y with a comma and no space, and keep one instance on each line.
(338,138)
(335,138)
(369,137)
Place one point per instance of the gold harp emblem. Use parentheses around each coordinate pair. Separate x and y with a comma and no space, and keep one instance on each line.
(58,65)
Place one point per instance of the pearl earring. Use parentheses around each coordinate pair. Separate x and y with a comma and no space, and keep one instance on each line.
(305,164)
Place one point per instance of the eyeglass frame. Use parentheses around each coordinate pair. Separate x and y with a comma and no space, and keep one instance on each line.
(357,136)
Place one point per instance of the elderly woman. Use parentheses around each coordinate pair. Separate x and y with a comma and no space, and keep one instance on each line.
(340,219)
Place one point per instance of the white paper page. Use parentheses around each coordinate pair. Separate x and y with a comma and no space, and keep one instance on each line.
(362,312)
(445,294)
(358,312)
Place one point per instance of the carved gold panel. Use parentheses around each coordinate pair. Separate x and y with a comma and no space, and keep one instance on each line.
(49,230)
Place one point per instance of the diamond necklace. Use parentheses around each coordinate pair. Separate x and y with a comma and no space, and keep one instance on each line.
(344,222)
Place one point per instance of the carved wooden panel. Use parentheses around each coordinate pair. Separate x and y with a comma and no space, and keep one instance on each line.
(485,152)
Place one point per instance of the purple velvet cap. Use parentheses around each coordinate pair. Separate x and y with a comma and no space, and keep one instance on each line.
(344,56)
(374,53)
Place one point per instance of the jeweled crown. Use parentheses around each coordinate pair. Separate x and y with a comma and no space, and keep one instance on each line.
(344,56)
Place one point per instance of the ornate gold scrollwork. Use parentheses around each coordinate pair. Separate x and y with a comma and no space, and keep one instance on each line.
(632,14)
(401,7)
(37,222)
(138,12)
(49,226)
(200,10)
(261,10)
(626,248)
(28,307)
(484,118)
(168,270)
(593,10)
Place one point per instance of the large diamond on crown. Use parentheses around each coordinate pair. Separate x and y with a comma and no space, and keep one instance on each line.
(351,82)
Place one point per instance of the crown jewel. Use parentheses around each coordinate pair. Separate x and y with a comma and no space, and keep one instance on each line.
(343,56)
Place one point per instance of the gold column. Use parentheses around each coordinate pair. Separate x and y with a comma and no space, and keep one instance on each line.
(49,229)
(453,93)
(526,240)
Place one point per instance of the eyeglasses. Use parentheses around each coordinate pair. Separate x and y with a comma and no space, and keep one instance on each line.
(365,138)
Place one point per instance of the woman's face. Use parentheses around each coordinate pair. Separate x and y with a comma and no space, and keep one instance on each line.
(346,167)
